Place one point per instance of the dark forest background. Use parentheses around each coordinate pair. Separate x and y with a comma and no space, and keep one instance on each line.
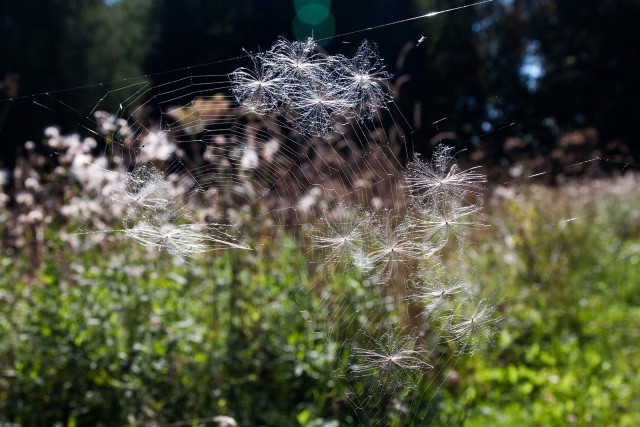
(511,77)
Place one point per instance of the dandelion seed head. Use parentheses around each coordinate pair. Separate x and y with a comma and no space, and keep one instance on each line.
(342,236)
(394,359)
(472,326)
(442,180)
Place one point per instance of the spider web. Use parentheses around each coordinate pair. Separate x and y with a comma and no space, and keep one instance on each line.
(300,139)
(294,137)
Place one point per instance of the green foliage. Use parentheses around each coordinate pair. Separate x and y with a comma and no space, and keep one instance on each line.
(113,333)
(566,354)
(63,44)
(116,335)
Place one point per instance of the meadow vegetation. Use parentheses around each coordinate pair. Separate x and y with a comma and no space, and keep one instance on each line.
(109,332)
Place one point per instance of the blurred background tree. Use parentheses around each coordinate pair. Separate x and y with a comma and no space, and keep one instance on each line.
(547,66)
(61,45)
(589,54)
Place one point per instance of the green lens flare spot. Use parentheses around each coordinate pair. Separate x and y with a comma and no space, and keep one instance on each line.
(313,14)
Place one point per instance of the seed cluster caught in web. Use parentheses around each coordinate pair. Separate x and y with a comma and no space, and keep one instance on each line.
(156,217)
(317,91)
(412,259)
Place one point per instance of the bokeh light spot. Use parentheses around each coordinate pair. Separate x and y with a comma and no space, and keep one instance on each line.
(313,14)
(321,32)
